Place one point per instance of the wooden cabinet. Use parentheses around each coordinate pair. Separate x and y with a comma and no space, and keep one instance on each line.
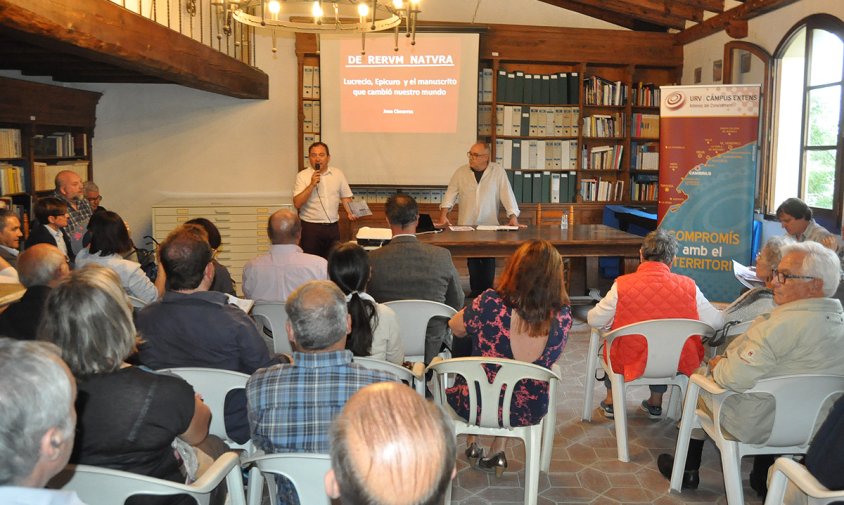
(242,224)
(43,129)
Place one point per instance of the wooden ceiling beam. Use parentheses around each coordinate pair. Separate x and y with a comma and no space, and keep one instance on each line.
(597,13)
(104,32)
(707,5)
(671,8)
(748,10)
(638,12)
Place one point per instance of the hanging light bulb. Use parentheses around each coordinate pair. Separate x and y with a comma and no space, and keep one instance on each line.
(363,11)
(398,4)
(274,6)
(317,11)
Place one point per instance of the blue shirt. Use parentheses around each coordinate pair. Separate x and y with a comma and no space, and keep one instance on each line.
(291,406)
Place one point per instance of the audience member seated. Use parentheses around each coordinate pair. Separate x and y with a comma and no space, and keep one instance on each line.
(91,192)
(41,267)
(825,458)
(193,327)
(128,416)
(796,219)
(10,236)
(273,276)
(375,421)
(757,301)
(37,394)
(375,329)
(291,406)
(407,269)
(222,278)
(652,292)
(526,318)
(803,334)
(51,214)
(69,190)
(110,242)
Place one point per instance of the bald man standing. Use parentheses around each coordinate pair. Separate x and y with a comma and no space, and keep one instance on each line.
(69,190)
(273,276)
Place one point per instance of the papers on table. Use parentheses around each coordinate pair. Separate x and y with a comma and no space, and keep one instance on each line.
(497,227)
(747,276)
(460,228)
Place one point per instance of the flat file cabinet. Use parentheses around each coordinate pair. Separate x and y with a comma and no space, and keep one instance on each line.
(242,223)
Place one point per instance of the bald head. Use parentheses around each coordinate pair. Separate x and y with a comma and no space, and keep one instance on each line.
(390,446)
(42,265)
(284,227)
(69,184)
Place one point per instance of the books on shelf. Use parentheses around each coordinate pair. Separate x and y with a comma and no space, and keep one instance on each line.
(604,125)
(60,144)
(644,125)
(10,143)
(12,179)
(44,175)
(645,94)
(600,190)
(604,158)
(598,91)
(645,156)
(644,187)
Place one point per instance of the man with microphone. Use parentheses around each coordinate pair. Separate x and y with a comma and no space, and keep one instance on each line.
(318,193)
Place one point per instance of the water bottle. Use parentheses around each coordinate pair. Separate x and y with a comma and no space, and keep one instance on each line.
(564,221)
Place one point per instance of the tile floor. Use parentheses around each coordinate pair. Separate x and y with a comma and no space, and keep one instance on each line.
(585,468)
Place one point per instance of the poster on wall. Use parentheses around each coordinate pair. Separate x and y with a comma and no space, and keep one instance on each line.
(707,173)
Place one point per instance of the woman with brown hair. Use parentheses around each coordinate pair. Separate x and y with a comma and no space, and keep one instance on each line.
(526,318)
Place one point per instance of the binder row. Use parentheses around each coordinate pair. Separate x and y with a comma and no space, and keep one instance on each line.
(380,195)
(523,154)
(10,143)
(543,187)
(311,122)
(310,82)
(526,121)
(556,88)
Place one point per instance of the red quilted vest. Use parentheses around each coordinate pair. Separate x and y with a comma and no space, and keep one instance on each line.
(653,292)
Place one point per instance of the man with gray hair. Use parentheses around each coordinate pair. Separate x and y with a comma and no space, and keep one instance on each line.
(40,268)
(10,236)
(273,276)
(91,192)
(804,334)
(366,468)
(291,406)
(37,428)
(652,292)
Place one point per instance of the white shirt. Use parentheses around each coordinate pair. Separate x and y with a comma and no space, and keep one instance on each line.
(134,280)
(58,236)
(386,337)
(601,316)
(273,276)
(322,206)
(479,200)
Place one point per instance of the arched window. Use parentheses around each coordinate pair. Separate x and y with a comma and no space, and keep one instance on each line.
(807,142)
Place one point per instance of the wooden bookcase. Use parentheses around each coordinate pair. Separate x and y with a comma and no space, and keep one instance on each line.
(55,126)
(624,58)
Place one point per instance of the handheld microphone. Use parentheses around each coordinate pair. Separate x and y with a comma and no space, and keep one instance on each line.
(317,167)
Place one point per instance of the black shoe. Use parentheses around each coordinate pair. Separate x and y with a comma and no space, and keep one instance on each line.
(665,463)
(473,453)
(496,462)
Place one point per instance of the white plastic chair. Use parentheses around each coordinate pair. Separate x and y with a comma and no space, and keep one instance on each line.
(271,316)
(538,438)
(799,400)
(666,338)
(214,384)
(414,378)
(786,470)
(104,486)
(413,317)
(305,471)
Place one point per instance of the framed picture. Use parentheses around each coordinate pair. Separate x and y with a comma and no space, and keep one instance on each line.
(698,73)
(717,67)
(744,62)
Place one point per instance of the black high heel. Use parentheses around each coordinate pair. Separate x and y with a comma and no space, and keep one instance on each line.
(497,462)
(473,453)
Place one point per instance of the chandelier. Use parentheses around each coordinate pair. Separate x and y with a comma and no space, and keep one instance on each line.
(324,16)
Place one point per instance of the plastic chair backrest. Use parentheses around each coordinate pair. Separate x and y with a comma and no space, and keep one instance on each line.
(509,373)
(213,384)
(800,399)
(104,486)
(305,471)
(413,317)
(405,375)
(666,338)
(272,316)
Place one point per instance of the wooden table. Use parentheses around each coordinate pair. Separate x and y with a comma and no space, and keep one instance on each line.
(589,241)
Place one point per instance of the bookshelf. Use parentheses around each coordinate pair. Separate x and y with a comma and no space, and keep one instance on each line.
(561,77)
(43,129)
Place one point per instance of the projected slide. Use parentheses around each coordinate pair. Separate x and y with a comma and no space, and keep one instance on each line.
(414,90)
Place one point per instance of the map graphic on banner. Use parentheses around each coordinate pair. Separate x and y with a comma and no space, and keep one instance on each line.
(708,146)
